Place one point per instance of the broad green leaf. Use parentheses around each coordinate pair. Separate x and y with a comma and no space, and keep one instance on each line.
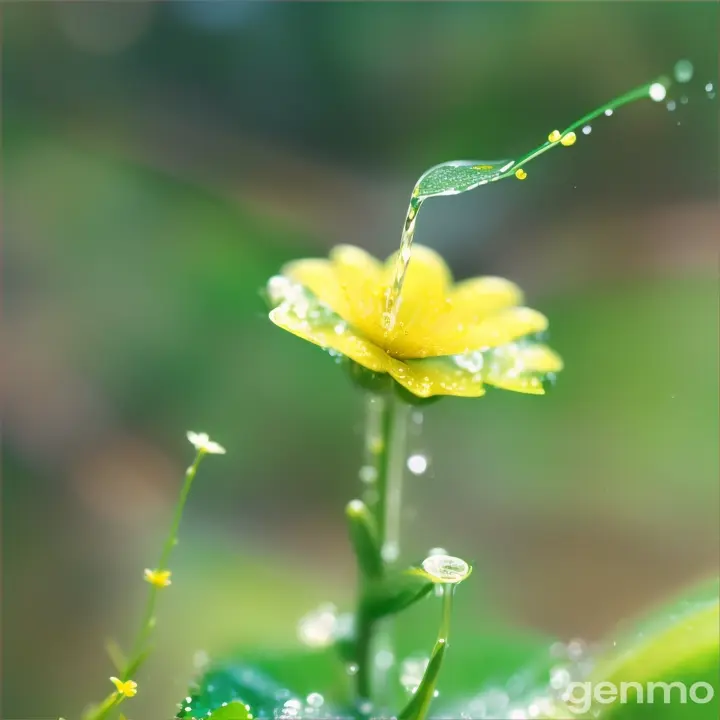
(458,176)
(232,711)
(394,593)
(680,644)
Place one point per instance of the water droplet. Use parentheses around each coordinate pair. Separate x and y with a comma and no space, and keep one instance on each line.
(412,670)
(351,668)
(417,464)
(559,677)
(315,700)
(384,659)
(340,328)
(683,71)
(658,92)
(317,628)
(671,105)
(282,694)
(390,551)
(609,112)
(576,649)
(417,417)
(436,693)
(446,568)
(684,100)
(587,129)
(368,474)
(365,707)
(709,87)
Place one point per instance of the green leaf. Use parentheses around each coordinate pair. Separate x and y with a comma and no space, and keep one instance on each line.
(680,644)
(394,593)
(232,711)
(363,536)
(418,706)
(458,176)
(265,682)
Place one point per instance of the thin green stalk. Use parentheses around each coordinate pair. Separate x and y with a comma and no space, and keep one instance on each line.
(139,649)
(420,702)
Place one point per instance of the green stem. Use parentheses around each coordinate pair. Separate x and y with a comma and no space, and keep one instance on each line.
(418,706)
(386,432)
(139,650)
(148,621)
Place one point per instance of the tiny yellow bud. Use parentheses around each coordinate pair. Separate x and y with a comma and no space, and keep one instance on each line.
(554,136)
(520,174)
(127,688)
(158,578)
(569,139)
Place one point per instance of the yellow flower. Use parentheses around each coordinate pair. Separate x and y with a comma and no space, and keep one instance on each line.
(448,339)
(127,688)
(158,578)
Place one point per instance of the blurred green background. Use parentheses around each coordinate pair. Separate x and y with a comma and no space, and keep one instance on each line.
(161,161)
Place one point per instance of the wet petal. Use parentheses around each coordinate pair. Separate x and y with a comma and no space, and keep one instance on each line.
(472,300)
(436,376)
(320,278)
(340,339)
(359,275)
(425,289)
(498,329)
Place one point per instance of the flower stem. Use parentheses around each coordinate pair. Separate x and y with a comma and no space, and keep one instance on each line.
(385,439)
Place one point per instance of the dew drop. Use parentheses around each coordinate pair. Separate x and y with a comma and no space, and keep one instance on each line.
(671,105)
(417,464)
(683,71)
(417,417)
(368,474)
(351,668)
(609,112)
(559,677)
(658,92)
(446,568)
(315,700)
(390,552)
(365,707)
(709,87)
(684,100)
(384,659)
(576,649)
(317,628)
(587,129)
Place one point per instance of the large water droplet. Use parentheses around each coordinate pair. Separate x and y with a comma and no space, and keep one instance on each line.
(658,92)
(671,105)
(317,628)
(352,668)
(368,474)
(384,659)
(587,129)
(609,112)
(683,71)
(446,568)
(417,464)
(315,700)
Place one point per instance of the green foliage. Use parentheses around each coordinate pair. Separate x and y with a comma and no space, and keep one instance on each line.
(232,711)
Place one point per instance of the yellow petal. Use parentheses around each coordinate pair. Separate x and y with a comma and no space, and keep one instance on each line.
(424,291)
(321,279)
(498,329)
(520,367)
(472,300)
(425,378)
(341,339)
(359,275)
